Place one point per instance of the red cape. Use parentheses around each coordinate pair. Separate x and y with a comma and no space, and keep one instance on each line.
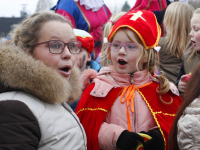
(162,113)
(93,110)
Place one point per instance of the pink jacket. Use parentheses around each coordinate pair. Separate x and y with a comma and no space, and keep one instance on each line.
(116,120)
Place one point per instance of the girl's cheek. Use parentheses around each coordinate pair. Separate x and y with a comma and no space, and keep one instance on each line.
(198,36)
(74,60)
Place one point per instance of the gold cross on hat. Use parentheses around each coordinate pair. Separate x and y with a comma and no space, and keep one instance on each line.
(136,16)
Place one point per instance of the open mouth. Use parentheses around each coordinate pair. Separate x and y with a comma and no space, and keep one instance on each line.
(65,69)
(193,42)
(122,62)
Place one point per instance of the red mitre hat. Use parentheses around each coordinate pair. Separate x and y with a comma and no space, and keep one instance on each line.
(86,39)
(143,23)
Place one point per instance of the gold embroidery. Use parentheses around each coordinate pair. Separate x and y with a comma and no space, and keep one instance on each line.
(154,115)
(160,112)
(84,17)
(143,41)
(160,3)
(148,5)
(92,109)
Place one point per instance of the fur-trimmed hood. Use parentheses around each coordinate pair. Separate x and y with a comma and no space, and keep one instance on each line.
(22,72)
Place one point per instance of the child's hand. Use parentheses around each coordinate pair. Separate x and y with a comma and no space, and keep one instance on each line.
(187,77)
(128,140)
(182,84)
(156,142)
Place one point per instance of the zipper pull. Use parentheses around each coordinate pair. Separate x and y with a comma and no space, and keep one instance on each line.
(131,75)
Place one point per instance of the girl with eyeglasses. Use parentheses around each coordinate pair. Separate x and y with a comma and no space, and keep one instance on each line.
(126,107)
(38,77)
(184,133)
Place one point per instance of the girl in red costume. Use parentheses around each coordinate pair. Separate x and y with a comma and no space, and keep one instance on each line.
(125,99)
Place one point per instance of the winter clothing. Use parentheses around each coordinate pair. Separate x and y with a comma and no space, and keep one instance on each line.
(33,111)
(188,127)
(92,65)
(84,19)
(160,15)
(187,67)
(95,117)
(157,7)
(169,64)
(124,139)
(156,142)
(150,32)
(115,121)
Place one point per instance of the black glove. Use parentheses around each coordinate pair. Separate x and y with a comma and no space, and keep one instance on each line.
(157,141)
(128,140)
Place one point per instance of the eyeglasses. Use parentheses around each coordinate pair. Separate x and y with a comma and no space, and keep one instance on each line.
(57,47)
(128,46)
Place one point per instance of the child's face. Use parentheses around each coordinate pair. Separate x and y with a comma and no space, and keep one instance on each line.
(195,31)
(82,58)
(54,30)
(125,61)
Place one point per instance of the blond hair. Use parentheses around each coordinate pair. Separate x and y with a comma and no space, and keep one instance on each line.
(26,34)
(106,31)
(190,49)
(148,60)
(177,26)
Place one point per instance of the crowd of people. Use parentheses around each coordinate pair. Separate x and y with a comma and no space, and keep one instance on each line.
(77,77)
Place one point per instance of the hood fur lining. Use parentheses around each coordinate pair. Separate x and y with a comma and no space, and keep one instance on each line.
(23,72)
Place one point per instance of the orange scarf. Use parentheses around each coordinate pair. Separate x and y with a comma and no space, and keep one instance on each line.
(130,90)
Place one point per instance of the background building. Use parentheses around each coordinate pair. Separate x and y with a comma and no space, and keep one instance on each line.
(6,24)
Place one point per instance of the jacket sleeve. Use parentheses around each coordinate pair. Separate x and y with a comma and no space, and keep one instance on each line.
(188,132)
(182,72)
(68,16)
(108,135)
(18,126)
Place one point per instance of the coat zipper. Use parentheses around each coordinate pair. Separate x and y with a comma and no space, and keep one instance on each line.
(135,116)
(131,75)
(132,81)
(63,104)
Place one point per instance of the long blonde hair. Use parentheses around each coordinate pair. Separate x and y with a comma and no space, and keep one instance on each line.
(26,33)
(148,59)
(106,30)
(177,27)
(190,49)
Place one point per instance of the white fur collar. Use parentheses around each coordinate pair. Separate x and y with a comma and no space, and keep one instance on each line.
(95,5)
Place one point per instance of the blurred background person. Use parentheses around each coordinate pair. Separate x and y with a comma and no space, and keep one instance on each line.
(88,15)
(177,27)
(192,54)
(83,59)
